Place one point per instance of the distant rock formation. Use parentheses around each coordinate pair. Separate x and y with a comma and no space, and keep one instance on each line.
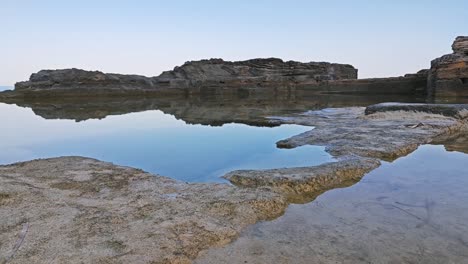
(448,75)
(213,72)
(69,79)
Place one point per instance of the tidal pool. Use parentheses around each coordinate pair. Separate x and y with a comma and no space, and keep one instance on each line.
(412,210)
(155,142)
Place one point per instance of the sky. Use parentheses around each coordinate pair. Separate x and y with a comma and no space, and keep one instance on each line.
(380,38)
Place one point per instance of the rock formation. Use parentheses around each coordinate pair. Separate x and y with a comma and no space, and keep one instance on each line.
(448,77)
(194,74)
(449,74)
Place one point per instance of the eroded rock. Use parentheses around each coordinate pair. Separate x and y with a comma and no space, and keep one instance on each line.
(81,210)
(448,75)
(192,75)
(385,135)
(452,110)
(298,183)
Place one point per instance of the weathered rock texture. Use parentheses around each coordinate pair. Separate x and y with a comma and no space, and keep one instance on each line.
(193,75)
(410,84)
(386,135)
(459,111)
(80,210)
(257,71)
(447,77)
(298,183)
(449,74)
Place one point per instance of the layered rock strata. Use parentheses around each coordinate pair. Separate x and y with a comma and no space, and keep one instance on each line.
(448,75)
(192,75)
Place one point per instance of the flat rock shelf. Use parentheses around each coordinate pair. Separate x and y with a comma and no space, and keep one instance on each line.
(60,208)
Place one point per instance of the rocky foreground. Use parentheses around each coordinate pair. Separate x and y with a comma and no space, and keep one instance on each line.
(80,210)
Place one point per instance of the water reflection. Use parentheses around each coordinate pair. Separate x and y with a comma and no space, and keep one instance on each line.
(208,109)
(155,142)
(413,210)
(154,133)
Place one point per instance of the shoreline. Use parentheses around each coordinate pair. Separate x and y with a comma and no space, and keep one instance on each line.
(95,205)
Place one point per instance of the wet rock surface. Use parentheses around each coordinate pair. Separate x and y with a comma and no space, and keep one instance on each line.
(412,210)
(297,183)
(386,135)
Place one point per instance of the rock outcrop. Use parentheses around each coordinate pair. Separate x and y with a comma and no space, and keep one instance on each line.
(193,75)
(69,79)
(448,75)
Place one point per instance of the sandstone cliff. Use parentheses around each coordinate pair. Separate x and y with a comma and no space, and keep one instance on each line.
(447,77)
(449,74)
(194,74)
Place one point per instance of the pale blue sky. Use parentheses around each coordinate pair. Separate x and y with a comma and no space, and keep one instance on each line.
(380,38)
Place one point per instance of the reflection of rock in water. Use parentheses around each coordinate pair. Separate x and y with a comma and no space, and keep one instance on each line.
(454,143)
(421,221)
(212,107)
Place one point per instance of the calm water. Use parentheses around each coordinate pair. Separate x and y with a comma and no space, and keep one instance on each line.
(413,210)
(155,142)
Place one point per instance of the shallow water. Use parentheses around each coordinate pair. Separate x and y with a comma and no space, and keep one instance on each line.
(155,142)
(413,210)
